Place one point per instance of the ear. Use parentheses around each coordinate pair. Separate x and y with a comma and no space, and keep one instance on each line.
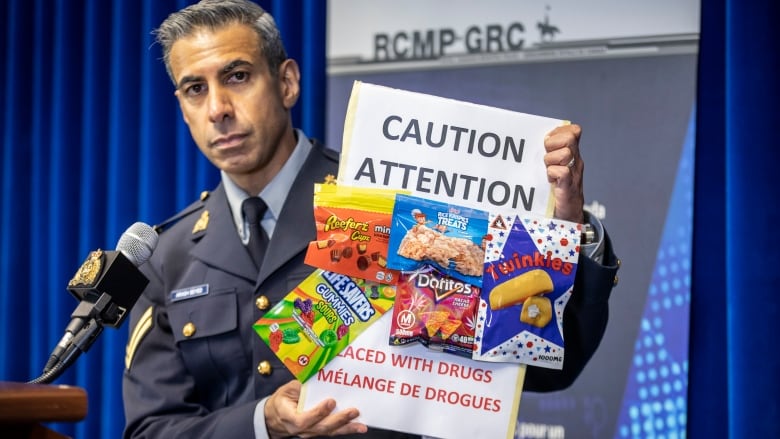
(289,82)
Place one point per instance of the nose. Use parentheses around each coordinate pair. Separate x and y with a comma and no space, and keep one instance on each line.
(220,105)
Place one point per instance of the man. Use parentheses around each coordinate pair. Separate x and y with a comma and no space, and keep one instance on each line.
(194,366)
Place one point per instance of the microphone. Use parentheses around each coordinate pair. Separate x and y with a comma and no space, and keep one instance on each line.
(107,285)
(115,273)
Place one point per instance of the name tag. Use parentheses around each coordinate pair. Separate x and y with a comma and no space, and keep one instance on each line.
(189,292)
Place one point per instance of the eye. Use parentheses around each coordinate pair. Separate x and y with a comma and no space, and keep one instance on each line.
(238,77)
(195,89)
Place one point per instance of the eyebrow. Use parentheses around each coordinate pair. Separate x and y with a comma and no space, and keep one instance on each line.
(235,63)
(227,69)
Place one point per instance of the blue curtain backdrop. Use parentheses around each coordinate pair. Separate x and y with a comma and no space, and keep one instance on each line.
(93,141)
(734,363)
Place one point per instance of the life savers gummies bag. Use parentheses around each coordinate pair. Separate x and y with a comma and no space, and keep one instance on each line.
(530,265)
(320,317)
(353,230)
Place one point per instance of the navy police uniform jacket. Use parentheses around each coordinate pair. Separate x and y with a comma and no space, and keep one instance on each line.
(195,368)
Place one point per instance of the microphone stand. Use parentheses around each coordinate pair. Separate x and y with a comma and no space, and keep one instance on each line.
(93,315)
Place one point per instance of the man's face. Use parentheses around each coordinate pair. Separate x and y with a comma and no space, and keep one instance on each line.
(237,111)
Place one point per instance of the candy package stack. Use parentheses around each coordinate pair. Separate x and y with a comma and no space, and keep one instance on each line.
(320,317)
(491,286)
(351,288)
(502,279)
(438,248)
(530,265)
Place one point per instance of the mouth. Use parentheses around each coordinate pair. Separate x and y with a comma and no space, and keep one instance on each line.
(228,141)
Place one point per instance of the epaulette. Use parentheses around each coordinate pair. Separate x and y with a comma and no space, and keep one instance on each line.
(194,207)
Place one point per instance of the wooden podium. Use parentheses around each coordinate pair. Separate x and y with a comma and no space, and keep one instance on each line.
(25,407)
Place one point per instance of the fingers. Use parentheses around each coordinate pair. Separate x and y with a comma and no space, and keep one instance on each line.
(334,423)
(564,171)
(283,419)
(564,164)
(564,136)
(562,145)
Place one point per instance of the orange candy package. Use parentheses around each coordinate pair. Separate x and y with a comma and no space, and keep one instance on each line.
(353,232)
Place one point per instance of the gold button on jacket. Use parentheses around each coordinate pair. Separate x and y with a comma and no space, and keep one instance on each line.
(264,368)
(189,329)
(262,303)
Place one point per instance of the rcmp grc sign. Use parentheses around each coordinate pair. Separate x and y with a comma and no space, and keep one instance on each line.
(376,31)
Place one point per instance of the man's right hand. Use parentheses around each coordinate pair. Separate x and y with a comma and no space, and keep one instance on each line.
(282,418)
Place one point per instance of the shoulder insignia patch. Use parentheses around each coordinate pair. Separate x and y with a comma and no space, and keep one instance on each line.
(202,223)
(143,326)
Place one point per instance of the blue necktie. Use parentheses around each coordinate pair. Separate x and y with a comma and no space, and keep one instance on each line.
(254,208)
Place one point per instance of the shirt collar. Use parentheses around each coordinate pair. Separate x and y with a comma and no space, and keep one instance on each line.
(274,194)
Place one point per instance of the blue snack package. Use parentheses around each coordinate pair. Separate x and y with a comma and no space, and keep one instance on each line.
(447,236)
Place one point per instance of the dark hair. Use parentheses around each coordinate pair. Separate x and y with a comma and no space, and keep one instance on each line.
(214,14)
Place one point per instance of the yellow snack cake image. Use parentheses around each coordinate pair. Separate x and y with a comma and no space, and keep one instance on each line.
(516,290)
(537,311)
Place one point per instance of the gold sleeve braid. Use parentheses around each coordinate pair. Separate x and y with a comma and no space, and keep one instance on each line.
(141,328)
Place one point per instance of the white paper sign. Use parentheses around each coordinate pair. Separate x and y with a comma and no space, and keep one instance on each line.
(416,390)
(459,153)
(446,150)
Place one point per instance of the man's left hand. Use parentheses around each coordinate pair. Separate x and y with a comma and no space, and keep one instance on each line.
(564,171)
